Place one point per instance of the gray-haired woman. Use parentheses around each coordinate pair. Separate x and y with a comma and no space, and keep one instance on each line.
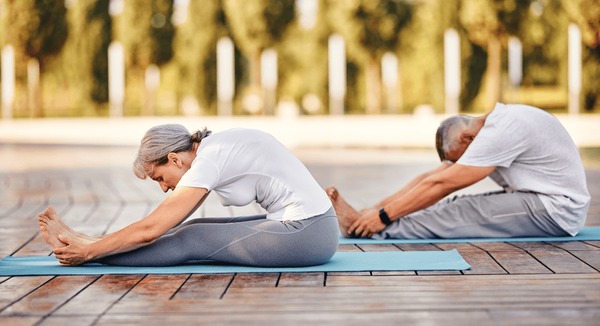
(239,165)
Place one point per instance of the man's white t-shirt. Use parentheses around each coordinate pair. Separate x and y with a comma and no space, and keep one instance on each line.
(245,165)
(533,152)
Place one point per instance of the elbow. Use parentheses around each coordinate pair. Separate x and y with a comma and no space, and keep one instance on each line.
(441,186)
(147,234)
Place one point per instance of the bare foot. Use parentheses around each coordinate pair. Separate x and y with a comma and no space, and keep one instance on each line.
(346,214)
(51,226)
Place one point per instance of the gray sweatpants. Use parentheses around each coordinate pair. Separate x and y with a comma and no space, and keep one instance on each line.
(490,215)
(247,240)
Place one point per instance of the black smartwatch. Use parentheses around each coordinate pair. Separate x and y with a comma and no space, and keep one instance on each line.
(384,217)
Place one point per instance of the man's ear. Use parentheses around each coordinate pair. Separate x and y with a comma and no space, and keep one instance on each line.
(174,158)
(467,137)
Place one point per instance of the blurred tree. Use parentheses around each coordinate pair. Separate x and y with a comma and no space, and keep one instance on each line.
(586,13)
(370,28)
(98,28)
(488,24)
(38,28)
(256,25)
(544,39)
(195,45)
(150,32)
(303,77)
(148,39)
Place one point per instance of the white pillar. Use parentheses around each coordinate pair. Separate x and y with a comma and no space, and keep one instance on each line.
(574,68)
(515,61)
(33,87)
(268,76)
(337,74)
(389,76)
(116,78)
(452,71)
(225,76)
(8,81)
(152,83)
(307,11)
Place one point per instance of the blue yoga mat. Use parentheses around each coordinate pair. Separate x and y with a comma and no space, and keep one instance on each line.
(588,233)
(341,262)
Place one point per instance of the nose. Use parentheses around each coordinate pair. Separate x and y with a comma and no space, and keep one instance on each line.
(164,187)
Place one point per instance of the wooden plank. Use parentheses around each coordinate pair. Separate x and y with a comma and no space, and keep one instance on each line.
(574,245)
(19,320)
(481,262)
(556,259)
(519,262)
(204,286)
(99,296)
(301,318)
(301,280)
(255,280)
(50,296)
(155,287)
(378,247)
(593,243)
(348,248)
(557,316)
(15,288)
(417,247)
(514,260)
(441,296)
(70,320)
(591,258)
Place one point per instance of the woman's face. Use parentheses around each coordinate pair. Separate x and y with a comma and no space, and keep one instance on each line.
(167,175)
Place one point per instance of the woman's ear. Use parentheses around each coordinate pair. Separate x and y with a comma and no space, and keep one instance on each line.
(174,158)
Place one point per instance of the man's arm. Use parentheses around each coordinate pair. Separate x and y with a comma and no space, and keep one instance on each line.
(412,185)
(427,192)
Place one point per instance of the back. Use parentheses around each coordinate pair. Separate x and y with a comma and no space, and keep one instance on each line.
(533,152)
(245,165)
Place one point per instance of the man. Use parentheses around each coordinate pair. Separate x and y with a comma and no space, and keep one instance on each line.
(524,149)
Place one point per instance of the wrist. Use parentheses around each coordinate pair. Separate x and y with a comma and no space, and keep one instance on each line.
(90,253)
(384,217)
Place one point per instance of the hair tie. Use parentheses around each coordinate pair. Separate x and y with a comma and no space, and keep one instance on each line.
(199,135)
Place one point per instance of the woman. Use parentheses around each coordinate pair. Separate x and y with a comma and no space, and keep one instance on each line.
(239,165)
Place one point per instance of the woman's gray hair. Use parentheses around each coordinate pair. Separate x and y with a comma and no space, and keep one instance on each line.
(445,137)
(161,140)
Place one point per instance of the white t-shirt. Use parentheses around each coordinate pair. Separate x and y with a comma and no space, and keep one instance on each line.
(533,152)
(244,165)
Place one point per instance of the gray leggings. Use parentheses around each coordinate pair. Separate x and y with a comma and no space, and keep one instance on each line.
(246,240)
(491,215)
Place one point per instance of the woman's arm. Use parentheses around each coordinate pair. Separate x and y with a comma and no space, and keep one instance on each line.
(171,212)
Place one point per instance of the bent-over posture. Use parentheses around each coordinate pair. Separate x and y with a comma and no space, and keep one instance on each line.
(240,166)
(524,149)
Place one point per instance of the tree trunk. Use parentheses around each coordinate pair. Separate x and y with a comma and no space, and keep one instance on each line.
(373,81)
(494,73)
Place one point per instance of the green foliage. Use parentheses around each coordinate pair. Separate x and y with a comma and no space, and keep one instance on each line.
(149,33)
(99,21)
(258,24)
(162,31)
(586,14)
(196,55)
(48,29)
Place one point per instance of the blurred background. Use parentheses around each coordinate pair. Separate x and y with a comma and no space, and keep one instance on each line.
(99,58)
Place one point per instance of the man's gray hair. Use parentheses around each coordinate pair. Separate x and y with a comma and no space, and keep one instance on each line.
(161,140)
(446,136)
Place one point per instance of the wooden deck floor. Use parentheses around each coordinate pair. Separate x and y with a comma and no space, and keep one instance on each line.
(535,283)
